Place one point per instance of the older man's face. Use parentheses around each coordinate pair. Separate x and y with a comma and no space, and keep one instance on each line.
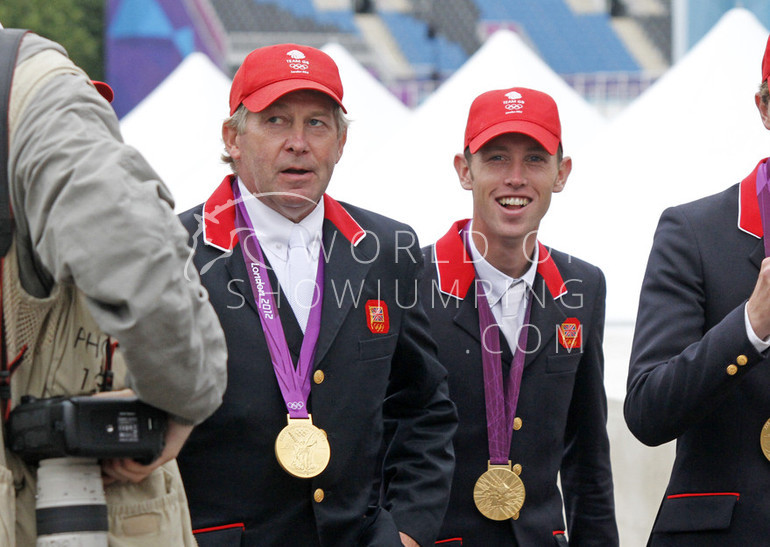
(288,151)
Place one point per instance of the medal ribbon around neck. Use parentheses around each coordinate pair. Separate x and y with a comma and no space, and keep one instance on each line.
(294,382)
(763,198)
(501,401)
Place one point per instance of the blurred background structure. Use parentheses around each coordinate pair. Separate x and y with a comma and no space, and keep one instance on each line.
(655,96)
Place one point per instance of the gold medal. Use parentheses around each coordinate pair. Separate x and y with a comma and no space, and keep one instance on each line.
(764,439)
(302,449)
(499,492)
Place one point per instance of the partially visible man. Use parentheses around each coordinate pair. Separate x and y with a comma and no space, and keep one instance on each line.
(699,368)
(318,378)
(97,258)
(520,330)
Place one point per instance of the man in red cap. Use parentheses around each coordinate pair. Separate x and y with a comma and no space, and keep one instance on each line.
(336,425)
(699,370)
(520,330)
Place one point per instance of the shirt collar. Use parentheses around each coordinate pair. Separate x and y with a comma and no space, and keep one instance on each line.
(497,282)
(273,229)
(455,272)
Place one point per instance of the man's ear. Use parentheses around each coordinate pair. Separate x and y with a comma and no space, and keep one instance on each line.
(463,171)
(341,144)
(763,110)
(229,137)
(564,170)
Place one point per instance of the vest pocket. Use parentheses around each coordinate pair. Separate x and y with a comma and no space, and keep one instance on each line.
(155,510)
(7,507)
(696,512)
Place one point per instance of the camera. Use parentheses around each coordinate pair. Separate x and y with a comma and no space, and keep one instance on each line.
(93,427)
(67,436)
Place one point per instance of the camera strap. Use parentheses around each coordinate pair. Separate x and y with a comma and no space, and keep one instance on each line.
(7,369)
(10,40)
(9,49)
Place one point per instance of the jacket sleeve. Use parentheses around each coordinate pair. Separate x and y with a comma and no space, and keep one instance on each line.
(419,461)
(586,473)
(677,370)
(90,211)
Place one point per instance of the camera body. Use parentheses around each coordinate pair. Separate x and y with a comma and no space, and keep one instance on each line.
(85,426)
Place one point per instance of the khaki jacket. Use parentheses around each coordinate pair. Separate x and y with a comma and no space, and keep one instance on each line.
(97,249)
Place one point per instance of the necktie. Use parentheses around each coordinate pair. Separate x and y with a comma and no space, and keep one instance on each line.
(301,274)
(510,318)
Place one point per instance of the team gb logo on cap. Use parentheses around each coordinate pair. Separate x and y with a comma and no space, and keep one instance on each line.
(514,102)
(297,61)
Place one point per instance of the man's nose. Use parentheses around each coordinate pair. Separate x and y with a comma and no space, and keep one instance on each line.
(296,141)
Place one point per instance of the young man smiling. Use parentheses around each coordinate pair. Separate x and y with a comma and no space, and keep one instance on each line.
(520,329)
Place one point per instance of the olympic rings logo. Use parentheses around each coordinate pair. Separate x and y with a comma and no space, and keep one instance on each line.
(299,66)
(295,405)
(514,106)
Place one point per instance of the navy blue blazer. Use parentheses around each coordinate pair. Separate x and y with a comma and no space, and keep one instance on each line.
(695,377)
(562,404)
(373,373)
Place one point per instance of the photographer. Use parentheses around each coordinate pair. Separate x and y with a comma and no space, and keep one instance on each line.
(97,257)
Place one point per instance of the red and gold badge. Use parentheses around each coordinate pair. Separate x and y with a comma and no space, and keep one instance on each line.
(571,334)
(377,316)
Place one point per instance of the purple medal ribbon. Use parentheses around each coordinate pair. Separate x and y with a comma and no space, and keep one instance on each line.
(763,197)
(294,382)
(501,401)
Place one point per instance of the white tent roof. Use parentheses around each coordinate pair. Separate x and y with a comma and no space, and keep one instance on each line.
(693,133)
(416,182)
(696,131)
(375,113)
(178,128)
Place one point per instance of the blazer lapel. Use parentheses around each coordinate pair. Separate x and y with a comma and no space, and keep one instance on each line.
(345,269)
(758,253)
(545,318)
(236,267)
(467,316)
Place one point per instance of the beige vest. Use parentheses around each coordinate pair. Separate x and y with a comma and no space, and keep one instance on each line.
(65,355)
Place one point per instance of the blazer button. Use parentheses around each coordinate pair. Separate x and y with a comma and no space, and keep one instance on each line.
(517,423)
(741,360)
(318,495)
(318,376)
(731,369)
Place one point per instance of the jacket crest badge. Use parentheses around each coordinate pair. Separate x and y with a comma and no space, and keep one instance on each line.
(571,334)
(377,316)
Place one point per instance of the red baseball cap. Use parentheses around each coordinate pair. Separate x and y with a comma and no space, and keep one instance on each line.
(104,90)
(766,62)
(514,110)
(270,72)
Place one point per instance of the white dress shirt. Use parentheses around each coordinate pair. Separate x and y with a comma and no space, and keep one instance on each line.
(496,285)
(273,231)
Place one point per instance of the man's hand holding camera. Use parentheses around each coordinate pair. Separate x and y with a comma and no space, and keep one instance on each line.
(130,470)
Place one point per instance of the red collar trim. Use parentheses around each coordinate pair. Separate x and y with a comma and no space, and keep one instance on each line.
(219,218)
(748,207)
(454,265)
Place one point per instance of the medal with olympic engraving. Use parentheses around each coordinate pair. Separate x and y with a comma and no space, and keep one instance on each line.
(302,449)
(499,492)
(764,439)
